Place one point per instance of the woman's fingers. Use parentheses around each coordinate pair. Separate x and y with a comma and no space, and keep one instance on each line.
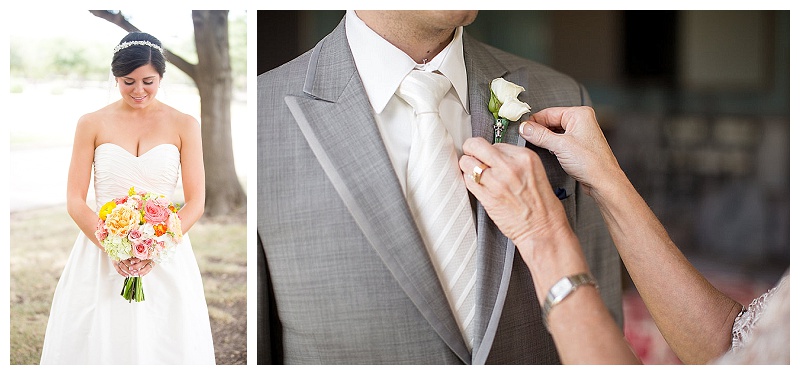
(121,268)
(146,267)
(513,187)
(482,150)
(561,119)
(134,267)
(500,166)
(547,127)
(541,136)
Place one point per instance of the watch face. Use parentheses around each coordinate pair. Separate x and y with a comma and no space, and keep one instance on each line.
(560,290)
(562,286)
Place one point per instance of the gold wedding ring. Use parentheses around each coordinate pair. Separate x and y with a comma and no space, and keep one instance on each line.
(478,171)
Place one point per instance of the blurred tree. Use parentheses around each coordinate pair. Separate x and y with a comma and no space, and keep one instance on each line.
(213,77)
(70,63)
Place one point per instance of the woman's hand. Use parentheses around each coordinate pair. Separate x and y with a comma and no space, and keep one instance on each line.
(573,135)
(134,267)
(516,194)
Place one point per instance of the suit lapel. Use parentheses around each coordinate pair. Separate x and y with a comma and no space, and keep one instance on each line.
(495,250)
(337,121)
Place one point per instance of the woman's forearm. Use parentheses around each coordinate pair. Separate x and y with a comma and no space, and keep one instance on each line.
(190,213)
(694,317)
(84,217)
(582,313)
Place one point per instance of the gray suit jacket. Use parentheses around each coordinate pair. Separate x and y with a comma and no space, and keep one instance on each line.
(344,275)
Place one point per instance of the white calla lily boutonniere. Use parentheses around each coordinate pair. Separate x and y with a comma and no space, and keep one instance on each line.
(505,106)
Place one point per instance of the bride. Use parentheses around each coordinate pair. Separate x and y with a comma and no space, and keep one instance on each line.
(136,141)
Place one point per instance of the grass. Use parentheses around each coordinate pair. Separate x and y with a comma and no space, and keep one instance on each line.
(37,260)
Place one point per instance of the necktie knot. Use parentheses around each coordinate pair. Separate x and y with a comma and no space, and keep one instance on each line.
(423,91)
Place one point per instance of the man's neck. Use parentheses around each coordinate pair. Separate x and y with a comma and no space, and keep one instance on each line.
(422,44)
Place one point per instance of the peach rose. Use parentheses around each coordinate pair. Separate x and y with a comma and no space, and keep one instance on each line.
(121,220)
(174,225)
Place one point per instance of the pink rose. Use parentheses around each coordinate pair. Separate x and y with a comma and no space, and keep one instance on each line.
(162,201)
(140,250)
(134,235)
(101,233)
(137,202)
(154,214)
(122,200)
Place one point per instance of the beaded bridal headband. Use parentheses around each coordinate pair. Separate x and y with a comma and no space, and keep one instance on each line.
(124,45)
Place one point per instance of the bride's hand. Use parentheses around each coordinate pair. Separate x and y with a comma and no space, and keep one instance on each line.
(122,267)
(134,267)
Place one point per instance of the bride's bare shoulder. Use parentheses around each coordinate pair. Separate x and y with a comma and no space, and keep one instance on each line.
(97,117)
(180,119)
(92,121)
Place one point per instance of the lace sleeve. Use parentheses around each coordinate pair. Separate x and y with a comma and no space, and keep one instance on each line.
(760,333)
(748,318)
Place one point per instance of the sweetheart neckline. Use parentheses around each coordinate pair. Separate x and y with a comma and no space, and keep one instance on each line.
(141,155)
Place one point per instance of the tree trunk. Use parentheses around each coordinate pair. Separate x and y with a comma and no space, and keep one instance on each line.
(224,192)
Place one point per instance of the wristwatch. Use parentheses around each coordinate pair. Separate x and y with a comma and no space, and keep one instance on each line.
(562,289)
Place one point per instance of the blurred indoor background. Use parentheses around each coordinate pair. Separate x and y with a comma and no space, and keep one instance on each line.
(695,105)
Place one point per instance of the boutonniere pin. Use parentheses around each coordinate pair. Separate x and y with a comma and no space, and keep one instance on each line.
(505,106)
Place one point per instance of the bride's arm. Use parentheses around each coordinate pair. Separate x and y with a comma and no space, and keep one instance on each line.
(80,172)
(193,172)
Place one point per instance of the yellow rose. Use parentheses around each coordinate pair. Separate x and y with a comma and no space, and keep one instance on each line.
(106,209)
(121,219)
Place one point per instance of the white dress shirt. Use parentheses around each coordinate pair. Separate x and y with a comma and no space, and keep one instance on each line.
(382,67)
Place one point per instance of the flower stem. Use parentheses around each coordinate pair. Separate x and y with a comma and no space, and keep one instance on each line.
(132,289)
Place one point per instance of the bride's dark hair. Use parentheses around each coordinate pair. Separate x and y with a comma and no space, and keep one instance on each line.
(137,49)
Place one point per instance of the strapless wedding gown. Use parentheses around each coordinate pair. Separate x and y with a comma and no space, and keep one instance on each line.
(90,323)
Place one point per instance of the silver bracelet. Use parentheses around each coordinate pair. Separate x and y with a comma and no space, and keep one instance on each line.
(562,289)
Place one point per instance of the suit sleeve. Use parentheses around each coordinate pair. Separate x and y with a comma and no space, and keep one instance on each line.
(269,342)
(601,254)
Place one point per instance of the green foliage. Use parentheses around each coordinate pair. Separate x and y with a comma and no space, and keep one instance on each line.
(52,58)
(237,40)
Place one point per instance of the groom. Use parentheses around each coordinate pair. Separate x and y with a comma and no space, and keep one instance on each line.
(344,274)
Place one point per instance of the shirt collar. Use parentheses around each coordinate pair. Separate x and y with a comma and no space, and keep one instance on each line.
(382,66)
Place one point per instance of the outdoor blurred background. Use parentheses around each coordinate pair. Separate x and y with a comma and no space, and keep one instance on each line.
(60,70)
(695,105)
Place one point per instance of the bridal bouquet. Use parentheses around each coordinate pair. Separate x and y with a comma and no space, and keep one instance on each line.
(142,225)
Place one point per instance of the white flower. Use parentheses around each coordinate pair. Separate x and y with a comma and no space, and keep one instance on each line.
(506,93)
(148,230)
(505,90)
(513,109)
(117,247)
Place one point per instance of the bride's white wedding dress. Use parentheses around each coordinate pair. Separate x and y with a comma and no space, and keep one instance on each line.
(90,323)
